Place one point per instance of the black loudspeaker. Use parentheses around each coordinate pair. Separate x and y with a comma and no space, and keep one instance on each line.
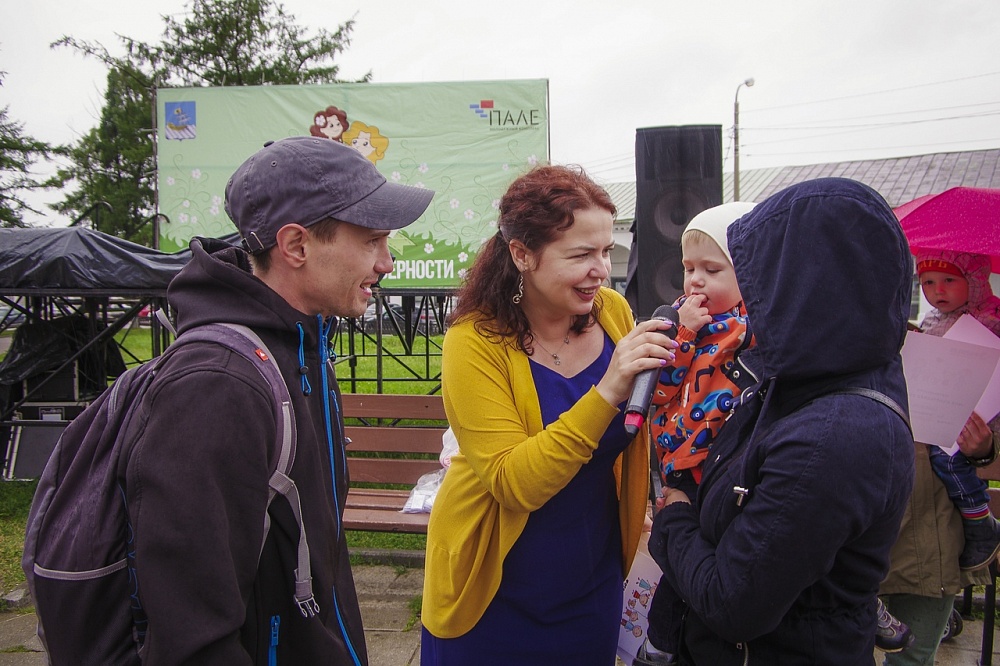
(63,386)
(678,174)
(33,437)
(30,447)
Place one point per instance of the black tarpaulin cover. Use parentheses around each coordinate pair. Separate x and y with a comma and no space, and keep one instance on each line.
(73,260)
(78,258)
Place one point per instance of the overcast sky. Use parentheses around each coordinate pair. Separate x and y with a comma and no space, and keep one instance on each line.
(835,81)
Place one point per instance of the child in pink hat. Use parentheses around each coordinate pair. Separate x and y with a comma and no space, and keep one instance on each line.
(957,283)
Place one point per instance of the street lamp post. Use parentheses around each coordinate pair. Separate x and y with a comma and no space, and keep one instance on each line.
(736,138)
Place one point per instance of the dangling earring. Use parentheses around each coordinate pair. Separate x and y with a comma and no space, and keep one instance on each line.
(520,290)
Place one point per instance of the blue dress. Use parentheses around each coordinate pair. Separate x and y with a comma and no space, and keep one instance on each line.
(559,600)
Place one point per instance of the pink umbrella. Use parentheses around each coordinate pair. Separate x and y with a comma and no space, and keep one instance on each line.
(962,219)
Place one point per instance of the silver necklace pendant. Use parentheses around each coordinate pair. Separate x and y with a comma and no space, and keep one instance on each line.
(555,357)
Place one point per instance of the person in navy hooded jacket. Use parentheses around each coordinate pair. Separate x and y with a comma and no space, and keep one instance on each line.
(803,492)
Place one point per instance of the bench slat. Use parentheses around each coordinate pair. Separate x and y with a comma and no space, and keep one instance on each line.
(360,405)
(394,439)
(389,470)
(384,521)
(377,498)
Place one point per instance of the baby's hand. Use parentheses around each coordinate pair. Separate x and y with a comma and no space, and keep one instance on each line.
(671,495)
(976,438)
(693,314)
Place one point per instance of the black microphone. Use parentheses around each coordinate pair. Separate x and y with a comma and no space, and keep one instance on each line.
(645,382)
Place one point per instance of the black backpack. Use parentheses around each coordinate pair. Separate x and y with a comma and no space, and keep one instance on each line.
(77,552)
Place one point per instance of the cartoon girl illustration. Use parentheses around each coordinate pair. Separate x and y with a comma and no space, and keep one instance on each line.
(367,140)
(630,620)
(330,123)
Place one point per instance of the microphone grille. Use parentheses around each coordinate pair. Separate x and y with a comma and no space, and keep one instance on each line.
(667,312)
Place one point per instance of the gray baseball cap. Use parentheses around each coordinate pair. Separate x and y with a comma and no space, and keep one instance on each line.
(305,179)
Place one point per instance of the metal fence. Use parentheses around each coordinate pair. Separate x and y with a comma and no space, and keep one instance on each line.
(395,347)
(397,342)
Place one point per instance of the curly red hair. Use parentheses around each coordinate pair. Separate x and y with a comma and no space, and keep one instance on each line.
(535,210)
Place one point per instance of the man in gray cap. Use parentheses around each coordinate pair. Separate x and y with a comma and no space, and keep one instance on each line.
(314,216)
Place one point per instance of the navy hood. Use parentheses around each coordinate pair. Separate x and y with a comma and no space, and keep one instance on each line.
(825,273)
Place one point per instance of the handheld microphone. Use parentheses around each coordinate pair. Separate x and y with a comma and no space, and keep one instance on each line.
(645,382)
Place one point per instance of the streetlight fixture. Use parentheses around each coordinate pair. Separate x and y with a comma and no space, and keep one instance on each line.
(736,138)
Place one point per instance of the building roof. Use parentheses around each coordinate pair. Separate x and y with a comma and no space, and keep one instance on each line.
(898,179)
(752,183)
(902,179)
(623,194)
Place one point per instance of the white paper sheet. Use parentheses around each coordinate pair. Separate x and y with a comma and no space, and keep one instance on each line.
(639,587)
(968,329)
(945,380)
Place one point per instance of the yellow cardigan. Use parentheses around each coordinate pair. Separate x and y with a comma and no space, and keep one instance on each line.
(508,466)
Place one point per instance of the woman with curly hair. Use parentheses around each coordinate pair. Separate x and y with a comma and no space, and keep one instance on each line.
(540,513)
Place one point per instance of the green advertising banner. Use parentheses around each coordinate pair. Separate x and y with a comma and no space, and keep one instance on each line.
(466,141)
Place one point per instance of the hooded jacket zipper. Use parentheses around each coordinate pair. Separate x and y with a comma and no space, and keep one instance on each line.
(272,653)
(330,395)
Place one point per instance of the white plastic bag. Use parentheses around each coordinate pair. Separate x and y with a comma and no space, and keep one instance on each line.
(422,496)
(449,447)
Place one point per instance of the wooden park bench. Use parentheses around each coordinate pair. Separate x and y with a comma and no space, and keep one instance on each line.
(381,452)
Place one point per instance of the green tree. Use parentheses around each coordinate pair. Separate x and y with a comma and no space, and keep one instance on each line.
(217,43)
(18,152)
(112,165)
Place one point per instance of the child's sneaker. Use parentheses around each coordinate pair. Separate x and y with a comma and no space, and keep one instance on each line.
(982,542)
(646,658)
(891,634)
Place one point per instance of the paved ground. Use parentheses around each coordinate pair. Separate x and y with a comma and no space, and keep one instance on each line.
(386,593)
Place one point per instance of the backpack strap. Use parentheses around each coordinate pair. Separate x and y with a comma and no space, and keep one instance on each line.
(877,396)
(246,343)
(747,480)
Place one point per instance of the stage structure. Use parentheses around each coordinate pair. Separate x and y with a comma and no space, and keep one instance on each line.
(68,298)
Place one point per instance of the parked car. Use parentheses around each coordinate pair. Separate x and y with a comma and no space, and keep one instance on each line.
(390,313)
